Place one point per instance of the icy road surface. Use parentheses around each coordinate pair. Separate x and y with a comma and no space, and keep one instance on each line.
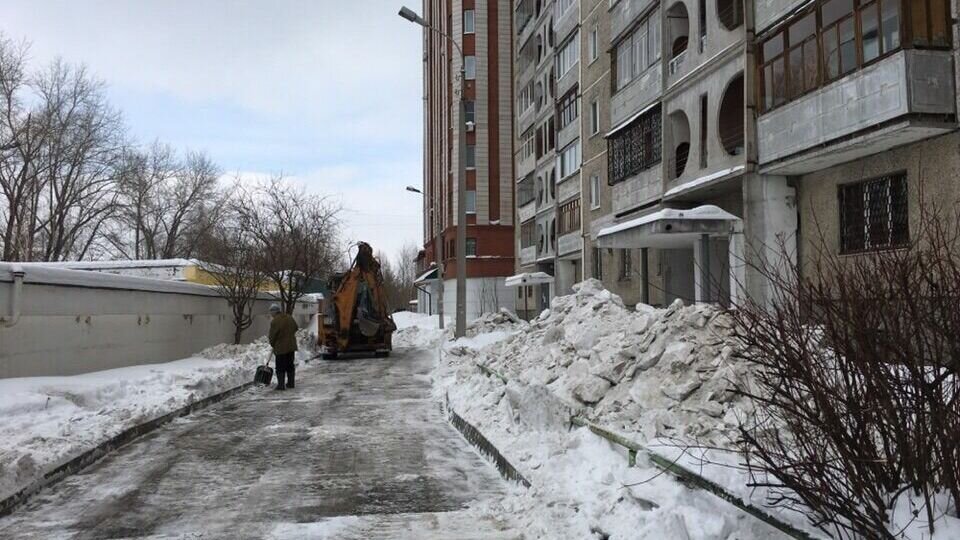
(357,450)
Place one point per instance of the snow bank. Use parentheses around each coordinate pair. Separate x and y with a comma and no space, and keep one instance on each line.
(591,355)
(47,421)
(650,373)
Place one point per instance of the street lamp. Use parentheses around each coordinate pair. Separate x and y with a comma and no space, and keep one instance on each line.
(461,327)
(438,249)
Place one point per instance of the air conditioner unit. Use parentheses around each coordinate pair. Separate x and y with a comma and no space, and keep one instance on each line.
(470,126)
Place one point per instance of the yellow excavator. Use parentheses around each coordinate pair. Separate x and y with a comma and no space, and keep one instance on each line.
(356,319)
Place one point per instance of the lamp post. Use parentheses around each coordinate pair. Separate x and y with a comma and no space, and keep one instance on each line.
(460,330)
(438,251)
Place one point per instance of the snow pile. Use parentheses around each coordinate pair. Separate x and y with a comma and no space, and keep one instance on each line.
(47,421)
(591,355)
(653,373)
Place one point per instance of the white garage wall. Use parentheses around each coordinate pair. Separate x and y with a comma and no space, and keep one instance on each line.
(76,322)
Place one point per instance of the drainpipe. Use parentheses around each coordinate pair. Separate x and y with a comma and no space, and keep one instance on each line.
(14,318)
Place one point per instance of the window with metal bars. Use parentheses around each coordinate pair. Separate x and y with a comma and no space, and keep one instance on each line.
(528,234)
(873,214)
(634,148)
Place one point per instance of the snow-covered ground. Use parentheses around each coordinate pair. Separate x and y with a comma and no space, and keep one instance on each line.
(46,421)
(659,377)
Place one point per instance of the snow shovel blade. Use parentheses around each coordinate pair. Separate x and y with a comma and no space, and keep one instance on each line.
(264,375)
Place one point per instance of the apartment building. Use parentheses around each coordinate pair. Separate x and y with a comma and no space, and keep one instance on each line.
(714,131)
(483,31)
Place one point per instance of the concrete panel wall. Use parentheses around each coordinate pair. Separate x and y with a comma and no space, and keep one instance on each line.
(931,166)
(636,190)
(569,188)
(877,93)
(767,12)
(95,322)
(688,100)
(484,295)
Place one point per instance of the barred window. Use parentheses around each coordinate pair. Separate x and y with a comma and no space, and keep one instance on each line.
(873,214)
(634,148)
(525,193)
(626,264)
(570,217)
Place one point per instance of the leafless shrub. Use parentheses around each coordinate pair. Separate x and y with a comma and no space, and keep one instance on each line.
(856,384)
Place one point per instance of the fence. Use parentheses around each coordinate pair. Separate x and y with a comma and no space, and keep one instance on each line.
(57,322)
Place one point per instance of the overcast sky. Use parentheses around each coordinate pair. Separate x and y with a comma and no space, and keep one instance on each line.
(326,91)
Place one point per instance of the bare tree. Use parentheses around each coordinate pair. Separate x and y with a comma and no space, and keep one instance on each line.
(21,141)
(296,232)
(232,258)
(167,206)
(406,272)
(80,161)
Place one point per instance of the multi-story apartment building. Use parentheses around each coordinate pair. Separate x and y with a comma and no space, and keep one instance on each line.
(483,31)
(712,131)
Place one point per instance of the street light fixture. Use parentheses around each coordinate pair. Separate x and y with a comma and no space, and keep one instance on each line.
(461,328)
(438,247)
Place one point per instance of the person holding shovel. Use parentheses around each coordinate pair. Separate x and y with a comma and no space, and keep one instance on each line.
(283,340)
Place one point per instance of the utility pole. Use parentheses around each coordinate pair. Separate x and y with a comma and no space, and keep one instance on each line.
(461,320)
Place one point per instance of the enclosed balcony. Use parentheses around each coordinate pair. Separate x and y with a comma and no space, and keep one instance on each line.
(837,83)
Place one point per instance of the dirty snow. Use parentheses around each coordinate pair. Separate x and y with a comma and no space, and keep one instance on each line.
(647,373)
(46,421)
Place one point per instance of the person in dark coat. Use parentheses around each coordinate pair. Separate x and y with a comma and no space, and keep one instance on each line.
(283,340)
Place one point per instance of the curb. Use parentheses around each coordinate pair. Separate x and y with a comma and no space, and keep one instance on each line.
(87,458)
(474,437)
(684,475)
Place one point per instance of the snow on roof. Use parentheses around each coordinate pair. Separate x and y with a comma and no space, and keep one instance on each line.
(43,274)
(119,264)
(693,184)
(423,277)
(528,278)
(705,212)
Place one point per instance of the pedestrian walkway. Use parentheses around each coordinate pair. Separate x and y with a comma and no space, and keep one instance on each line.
(357,450)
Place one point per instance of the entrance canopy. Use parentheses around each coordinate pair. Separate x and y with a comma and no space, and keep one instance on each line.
(429,275)
(668,228)
(528,278)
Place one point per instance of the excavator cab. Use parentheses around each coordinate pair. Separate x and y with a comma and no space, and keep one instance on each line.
(356,319)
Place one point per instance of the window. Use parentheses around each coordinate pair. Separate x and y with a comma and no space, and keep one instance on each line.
(626,264)
(471,201)
(593,44)
(528,234)
(525,193)
(595,191)
(873,214)
(833,38)
(470,115)
(567,108)
(563,6)
(546,138)
(471,247)
(527,146)
(638,51)
(470,67)
(569,216)
(634,148)
(929,23)
(598,263)
(471,160)
(468,22)
(703,130)
(568,56)
(570,159)
(594,117)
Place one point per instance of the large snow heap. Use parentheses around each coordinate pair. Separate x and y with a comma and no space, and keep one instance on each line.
(653,373)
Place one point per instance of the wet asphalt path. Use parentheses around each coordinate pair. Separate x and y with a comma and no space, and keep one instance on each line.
(358,450)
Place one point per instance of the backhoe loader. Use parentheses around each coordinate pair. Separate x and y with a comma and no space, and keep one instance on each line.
(356,319)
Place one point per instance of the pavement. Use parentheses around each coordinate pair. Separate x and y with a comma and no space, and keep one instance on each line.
(358,450)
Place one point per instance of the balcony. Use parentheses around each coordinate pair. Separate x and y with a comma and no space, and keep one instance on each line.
(676,63)
(903,98)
